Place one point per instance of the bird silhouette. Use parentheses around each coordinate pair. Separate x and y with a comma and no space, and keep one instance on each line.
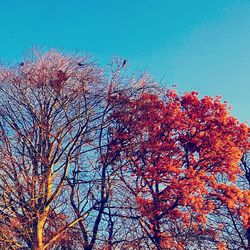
(80,64)
(21,64)
(124,63)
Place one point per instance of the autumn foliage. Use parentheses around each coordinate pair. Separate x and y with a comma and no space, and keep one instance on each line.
(102,160)
(183,154)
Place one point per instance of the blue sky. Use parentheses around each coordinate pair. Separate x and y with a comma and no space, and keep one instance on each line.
(201,45)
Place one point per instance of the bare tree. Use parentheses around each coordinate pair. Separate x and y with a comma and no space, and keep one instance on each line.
(47,106)
(55,178)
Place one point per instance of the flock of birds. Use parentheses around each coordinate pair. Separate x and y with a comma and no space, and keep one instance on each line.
(82,64)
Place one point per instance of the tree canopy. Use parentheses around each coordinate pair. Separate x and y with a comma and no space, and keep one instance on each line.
(95,158)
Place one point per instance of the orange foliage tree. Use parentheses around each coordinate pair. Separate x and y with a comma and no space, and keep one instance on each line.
(180,158)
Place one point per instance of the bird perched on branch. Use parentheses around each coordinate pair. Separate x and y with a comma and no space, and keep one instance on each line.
(124,63)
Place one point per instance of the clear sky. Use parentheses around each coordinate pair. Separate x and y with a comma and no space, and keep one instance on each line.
(200,45)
